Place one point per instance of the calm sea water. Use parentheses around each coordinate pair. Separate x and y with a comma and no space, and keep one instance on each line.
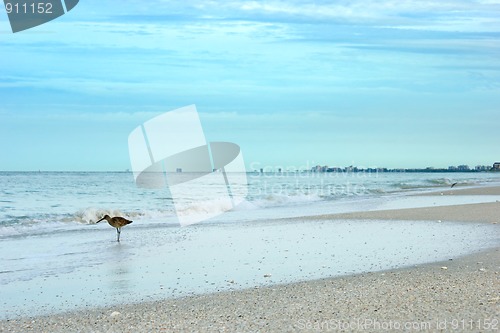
(34,203)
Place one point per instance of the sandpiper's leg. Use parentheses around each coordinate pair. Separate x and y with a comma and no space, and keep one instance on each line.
(118,234)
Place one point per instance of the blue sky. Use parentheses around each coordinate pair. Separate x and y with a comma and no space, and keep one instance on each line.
(370,83)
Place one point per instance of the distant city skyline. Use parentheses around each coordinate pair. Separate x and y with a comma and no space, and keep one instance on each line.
(356,168)
(394,84)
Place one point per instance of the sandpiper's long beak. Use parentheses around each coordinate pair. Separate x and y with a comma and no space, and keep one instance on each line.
(100,220)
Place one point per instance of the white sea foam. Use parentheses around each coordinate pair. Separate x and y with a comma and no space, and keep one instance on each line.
(92,215)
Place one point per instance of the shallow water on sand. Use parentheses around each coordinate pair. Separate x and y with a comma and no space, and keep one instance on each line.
(39,275)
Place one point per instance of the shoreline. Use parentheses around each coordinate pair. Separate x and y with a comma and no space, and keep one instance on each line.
(454,295)
(487,212)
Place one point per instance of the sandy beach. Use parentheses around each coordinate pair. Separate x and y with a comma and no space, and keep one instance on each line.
(460,294)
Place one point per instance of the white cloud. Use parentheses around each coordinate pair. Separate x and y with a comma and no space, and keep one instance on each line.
(419,13)
(81,116)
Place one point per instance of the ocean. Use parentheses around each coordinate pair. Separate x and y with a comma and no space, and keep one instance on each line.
(37,202)
(55,258)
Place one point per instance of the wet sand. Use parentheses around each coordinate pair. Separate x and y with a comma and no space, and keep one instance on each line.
(456,295)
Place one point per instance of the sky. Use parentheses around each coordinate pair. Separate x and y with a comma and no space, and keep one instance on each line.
(295,83)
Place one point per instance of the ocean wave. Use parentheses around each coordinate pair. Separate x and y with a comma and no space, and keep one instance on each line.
(430,183)
(440,181)
(208,207)
(276,200)
(29,228)
(45,223)
(409,186)
(91,215)
(41,223)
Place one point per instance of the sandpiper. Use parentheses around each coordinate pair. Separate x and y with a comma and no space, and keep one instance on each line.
(117,222)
